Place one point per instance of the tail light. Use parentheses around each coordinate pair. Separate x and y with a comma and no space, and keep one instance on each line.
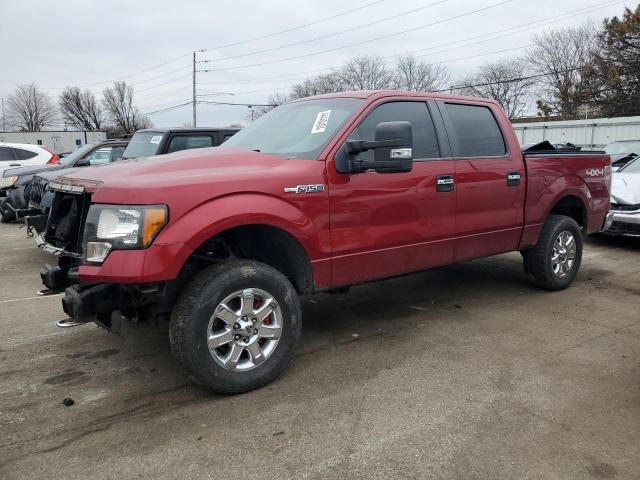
(607,177)
(54,156)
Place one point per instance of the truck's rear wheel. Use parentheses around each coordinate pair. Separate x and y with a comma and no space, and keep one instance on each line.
(236,325)
(555,260)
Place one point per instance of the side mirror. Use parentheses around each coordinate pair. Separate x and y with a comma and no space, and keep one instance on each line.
(393,150)
(83,162)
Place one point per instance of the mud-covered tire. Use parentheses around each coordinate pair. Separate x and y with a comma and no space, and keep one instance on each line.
(190,325)
(539,260)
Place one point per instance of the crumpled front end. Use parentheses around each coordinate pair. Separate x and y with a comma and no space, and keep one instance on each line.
(625,204)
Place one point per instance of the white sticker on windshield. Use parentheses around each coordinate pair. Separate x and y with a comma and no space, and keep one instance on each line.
(320,125)
(156,139)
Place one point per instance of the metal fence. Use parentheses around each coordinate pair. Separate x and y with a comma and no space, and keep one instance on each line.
(591,133)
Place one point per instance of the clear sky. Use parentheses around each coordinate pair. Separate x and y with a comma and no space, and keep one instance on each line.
(255,48)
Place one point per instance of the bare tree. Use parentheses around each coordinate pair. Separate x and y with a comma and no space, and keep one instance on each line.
(366,73)
(566,58)
(81,109)
(275,99)
(503,81)
(118,102)
(419,76)
(29,108)
(318,85)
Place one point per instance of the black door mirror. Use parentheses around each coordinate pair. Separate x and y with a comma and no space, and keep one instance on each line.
(393,150)
(83,162)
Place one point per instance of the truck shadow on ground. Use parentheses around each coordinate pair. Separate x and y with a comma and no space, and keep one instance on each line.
(614,241)
(391,308)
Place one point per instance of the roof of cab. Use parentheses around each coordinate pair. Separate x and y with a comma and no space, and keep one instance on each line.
(375,94)
(189,130)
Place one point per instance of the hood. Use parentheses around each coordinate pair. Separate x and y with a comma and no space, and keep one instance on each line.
(186,179)
(20,171)
(625,188)
(53,174)
(184,168)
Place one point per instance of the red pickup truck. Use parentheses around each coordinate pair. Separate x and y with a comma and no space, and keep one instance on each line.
(319,194)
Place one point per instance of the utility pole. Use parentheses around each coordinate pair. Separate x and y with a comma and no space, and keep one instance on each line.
(4,128)
(194,89)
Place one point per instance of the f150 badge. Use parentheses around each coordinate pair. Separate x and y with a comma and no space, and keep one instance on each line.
(305,189)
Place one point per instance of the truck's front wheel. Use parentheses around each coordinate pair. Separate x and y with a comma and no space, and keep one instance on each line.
(236,325)
(555,260)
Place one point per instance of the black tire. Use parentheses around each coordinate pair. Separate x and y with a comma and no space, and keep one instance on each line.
(188,329)
(7,215)
(537,260)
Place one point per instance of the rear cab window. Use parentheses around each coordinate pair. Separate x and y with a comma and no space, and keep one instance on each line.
(144,144)
(476,131)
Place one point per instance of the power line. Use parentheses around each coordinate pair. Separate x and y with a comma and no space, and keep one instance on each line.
(297,57)
(167,109)
(322,37)
(238,104)
(153,67)
(164,83)
(292,28)
(544,21)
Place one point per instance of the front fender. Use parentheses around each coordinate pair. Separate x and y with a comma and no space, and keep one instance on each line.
(201,223)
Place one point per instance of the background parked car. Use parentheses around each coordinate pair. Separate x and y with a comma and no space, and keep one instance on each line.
(622,152)
(625,199)
(144,143)
(22,154)
(18,181)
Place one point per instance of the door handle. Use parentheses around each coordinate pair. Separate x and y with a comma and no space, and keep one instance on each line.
(513,179)
(445,183)
(15,164)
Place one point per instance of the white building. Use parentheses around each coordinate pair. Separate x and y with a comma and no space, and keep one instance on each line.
(591,133)
(59,142)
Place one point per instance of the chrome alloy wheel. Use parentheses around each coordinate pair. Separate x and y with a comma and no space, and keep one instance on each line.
(245,329)
(564,254)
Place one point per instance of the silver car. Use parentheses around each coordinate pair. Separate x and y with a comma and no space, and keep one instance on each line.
(625,199)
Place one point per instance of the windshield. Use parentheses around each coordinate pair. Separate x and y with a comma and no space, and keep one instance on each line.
(298,130)
(617,148)
(632,167)
(143,144)
(76,154)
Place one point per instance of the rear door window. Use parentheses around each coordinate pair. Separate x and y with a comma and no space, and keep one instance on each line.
(188,142)
(22,154)
(476,131)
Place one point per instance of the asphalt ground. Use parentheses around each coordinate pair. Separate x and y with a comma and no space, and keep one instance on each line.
(464,372)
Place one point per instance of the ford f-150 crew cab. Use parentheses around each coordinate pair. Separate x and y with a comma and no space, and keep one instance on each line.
(318,194)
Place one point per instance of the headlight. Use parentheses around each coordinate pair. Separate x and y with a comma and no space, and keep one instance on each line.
(121,227)
(7,182)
